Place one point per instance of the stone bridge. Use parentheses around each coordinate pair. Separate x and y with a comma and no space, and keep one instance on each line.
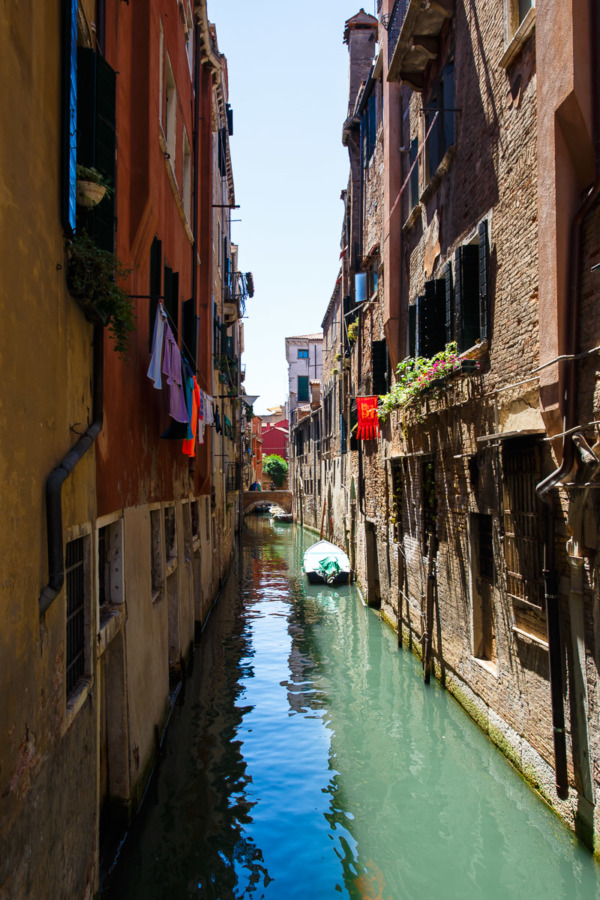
(252,499)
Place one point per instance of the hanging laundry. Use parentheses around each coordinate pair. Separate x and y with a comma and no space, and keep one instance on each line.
(177,430)
(172,369)
(209,418)
(189,445)
(218,428)
(368,420)
(157,345)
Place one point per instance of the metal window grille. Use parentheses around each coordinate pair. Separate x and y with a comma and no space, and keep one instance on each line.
(75,577)
(429,503)
(395,23)
(522,538)
(170,533)
(398,499)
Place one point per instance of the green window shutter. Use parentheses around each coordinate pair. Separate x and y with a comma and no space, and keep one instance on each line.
(380,367)
(466,296)
(302,388)
(483,279)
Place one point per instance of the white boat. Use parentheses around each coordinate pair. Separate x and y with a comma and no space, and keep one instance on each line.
(324,563)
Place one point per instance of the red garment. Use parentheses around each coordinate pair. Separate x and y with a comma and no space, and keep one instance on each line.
(189,445)
(368,420)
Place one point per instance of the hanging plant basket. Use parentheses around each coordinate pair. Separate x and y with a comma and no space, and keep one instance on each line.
(89,193)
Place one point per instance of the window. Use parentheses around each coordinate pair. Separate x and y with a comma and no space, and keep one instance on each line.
(69,115)
(302,388)
(522,522)
(519,22)
(155,286)
(171,114)
(77,581)
(170,536)
(96,139)
(157,558)
(369,128)
(222,151)
(302,354)
(397,499)
(440,103)
(466,297)
(379,359)
(171,301)
(110,566)
(482,595)
(430,322)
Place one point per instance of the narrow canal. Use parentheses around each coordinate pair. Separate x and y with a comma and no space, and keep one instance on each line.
(307,759)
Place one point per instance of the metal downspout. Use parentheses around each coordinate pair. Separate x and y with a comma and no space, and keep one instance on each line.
(568,402)
(58,476)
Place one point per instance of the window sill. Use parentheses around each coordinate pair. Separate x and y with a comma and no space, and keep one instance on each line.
(528,636)
(438,175)
(519,39)
(76,701)
(486,664)
(412,219)
(109,628)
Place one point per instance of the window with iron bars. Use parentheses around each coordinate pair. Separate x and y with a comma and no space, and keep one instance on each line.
(76,595)
(233,477)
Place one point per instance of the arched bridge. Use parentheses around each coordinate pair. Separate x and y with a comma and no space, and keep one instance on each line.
(252,499)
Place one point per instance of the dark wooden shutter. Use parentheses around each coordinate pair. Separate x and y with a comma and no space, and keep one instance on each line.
(190,330)
(380,366)
(431,328)
(353,425)
(155,284)
(449,298)
(96,138)
(229,119)
(412,330)
(69,115)
(168,301)
(222,142)
(302,388)
(343,433)
(466,296)
(483,279)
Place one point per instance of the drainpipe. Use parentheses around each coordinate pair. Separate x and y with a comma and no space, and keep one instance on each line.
(56,479)
(568,403)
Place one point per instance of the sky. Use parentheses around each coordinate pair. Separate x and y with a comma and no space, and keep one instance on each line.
(288,88)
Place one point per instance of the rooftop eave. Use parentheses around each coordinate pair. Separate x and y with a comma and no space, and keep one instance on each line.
(418,41)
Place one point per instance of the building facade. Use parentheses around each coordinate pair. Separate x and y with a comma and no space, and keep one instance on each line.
(120,520)
(468,253)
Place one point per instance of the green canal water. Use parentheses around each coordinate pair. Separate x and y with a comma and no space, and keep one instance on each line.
(307,759)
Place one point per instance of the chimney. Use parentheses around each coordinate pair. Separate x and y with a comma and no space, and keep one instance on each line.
(360,34)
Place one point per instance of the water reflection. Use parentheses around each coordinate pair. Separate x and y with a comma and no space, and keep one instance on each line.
(309,760)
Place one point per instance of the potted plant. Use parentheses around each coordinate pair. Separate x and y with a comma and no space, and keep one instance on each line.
(352,332)
(92,187)
(93,277)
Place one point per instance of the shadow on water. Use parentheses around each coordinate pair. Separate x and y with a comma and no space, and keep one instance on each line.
(308,759)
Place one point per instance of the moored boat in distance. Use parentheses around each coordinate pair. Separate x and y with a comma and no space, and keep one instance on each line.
(324,563)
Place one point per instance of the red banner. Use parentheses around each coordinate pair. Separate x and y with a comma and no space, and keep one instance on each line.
(368,420)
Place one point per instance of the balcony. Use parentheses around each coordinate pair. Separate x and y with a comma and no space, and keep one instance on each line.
(414,30)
